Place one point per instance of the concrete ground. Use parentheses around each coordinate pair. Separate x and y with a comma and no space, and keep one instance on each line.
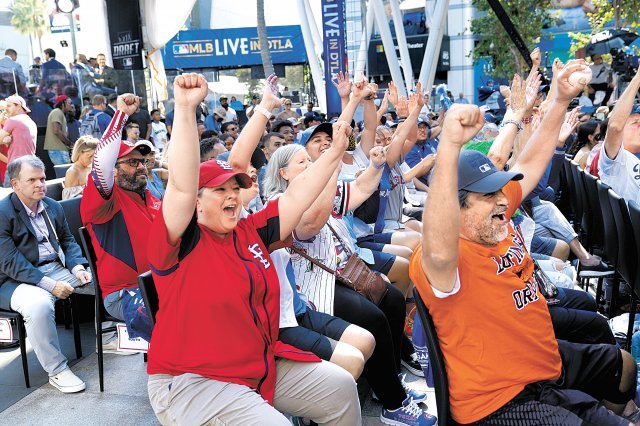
(124,400)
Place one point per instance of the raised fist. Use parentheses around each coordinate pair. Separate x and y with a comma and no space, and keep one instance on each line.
(128,103)
(189,90)
(462,123)
(378,156)
(566,91)
(341,132)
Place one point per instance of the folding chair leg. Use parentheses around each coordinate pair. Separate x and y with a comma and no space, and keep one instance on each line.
(614,296)
(99,346)
(22,335)
(632,315)
(75,313)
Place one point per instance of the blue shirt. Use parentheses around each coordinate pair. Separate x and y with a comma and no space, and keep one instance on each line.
(418,152)
(103,119)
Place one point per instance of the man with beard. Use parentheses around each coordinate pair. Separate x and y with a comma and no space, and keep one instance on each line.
(117,209)
(480,285)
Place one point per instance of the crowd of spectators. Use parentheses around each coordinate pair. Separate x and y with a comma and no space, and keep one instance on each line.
(241,226)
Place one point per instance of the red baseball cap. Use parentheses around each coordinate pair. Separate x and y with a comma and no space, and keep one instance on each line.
(60,99)
(215,172)
(141,145)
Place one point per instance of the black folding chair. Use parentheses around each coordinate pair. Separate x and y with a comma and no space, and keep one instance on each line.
(580,197)
(437,361)
(149,295)
(610,241)
(22,337)
(627,254)
(101,312)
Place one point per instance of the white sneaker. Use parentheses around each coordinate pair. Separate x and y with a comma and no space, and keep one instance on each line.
(67,382)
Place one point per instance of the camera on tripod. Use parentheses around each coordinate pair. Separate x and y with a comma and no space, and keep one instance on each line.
(623,64)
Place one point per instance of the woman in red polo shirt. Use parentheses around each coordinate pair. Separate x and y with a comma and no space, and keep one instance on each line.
(213,350)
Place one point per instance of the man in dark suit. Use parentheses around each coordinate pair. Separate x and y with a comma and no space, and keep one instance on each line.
(112,100)
(39,262)
(107,76)
(53,70)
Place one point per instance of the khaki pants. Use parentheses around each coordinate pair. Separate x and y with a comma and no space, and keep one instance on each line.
(322,392)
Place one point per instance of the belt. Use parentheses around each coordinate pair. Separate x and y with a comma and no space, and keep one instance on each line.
(535,201)
(46,262)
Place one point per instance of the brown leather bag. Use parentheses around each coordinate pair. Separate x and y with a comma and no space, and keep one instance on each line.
(356,274)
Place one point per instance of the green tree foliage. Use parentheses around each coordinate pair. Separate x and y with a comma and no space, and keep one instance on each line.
(30,18)
(606,13)
(496,46)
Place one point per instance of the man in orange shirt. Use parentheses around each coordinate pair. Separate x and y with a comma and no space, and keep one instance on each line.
(479,283)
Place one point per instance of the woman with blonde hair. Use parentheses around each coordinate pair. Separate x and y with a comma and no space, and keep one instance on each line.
(76,177)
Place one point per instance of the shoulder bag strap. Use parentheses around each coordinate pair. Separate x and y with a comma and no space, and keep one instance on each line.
(312,260)
(344,246)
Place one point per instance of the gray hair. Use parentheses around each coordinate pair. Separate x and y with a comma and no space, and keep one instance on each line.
(14,167)
(274,183)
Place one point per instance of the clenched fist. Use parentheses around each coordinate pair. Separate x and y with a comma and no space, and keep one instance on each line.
(189,90)
(462,123)
(128,103)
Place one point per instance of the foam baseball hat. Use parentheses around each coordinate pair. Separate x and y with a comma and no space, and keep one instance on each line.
(476,173)
(308,134)
(141,145)
(216,172)
(18,100)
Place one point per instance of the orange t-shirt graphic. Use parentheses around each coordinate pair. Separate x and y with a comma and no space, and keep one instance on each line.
(495,331)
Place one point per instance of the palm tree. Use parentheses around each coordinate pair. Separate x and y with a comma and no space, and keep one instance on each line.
(30,17)
(265,54)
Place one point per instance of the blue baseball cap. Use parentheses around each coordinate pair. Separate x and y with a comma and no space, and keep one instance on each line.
(476,173)
(308,134)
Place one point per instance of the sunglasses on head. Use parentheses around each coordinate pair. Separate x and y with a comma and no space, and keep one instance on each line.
(135,162)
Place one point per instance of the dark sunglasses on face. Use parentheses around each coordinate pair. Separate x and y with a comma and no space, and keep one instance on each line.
(135,162)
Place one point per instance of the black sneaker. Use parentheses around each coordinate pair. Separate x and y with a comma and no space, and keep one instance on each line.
(599,270)
(411,363)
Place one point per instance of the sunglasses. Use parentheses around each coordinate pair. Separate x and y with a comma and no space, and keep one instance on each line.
(135,162)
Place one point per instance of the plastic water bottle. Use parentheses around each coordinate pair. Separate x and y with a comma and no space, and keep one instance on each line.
(419,340)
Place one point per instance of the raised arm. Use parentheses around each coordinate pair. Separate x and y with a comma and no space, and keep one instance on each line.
(182,188)
(619,116)
(400,136)
(522,98)
(441,216)
(368,136)
(384,106)
(343,85)
(365,185)
(104,160)
(248,140)
(314,218)
(307,186)
(535,157)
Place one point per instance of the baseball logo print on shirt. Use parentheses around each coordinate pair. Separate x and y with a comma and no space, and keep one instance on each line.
(256,251)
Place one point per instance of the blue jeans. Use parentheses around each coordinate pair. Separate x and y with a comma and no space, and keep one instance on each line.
(59,157)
